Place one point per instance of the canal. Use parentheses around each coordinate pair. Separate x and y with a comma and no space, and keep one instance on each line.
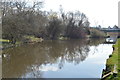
(57,59)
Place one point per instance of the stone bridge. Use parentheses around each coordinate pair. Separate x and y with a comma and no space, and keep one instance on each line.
(112,32)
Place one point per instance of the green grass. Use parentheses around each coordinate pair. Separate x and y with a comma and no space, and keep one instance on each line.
(4,43)
(32,39)
(114,60)
(4,40)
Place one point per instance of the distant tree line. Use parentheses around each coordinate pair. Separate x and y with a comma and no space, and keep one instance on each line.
(20,19)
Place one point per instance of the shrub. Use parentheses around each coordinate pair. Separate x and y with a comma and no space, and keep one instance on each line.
(95,33)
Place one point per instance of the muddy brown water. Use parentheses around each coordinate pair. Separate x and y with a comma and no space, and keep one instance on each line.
(56,59)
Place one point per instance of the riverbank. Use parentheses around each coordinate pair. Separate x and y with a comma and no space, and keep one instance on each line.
(112,66)
(32,40)
(4,44)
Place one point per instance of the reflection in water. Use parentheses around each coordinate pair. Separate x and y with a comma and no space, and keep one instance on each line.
(33,60)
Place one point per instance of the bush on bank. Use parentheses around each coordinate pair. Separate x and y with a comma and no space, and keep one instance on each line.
(95,33)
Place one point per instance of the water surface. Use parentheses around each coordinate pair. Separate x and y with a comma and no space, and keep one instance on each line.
(56,59)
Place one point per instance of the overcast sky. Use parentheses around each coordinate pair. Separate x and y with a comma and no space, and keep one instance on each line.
(103,12)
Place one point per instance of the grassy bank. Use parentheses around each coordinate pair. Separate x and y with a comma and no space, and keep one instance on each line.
(112,64)
(4,43)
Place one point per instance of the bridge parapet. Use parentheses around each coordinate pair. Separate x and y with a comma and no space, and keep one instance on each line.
(110,30)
